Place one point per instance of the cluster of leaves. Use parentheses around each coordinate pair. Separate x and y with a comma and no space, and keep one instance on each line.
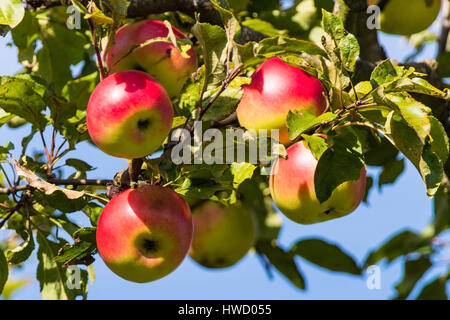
(367,123)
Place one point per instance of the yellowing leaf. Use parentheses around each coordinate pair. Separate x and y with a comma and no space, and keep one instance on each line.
(42,185)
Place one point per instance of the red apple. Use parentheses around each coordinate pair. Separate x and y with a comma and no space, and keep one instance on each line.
(277,87)
(161,59)
(222,234)
(129,115)
(144,234)
(292,189)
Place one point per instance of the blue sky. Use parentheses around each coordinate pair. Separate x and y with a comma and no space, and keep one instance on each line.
(397,207)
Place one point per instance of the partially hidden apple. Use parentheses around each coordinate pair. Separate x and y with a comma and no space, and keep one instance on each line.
(277,87)
(161,59)
(144,234)
(129,115)
(292,189)
(222,234)
(406,17)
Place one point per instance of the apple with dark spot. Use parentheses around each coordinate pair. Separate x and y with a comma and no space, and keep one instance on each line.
(129,115)
(292,189)
(144,234)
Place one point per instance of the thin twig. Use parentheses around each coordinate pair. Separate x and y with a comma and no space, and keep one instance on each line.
(233,74)
(47,154)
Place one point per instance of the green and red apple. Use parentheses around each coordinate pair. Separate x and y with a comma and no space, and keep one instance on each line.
(222,234)
(276,88)
(144,234)
(162,59)
(129,115)
(406,17)
(292,189)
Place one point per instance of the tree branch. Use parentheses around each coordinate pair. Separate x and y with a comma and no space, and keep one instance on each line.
(142,8)
(445,29)
(61,182)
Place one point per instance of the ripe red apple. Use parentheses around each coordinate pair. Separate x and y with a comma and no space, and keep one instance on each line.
(144,234)
(222,234)
(277,87)
(292,189)
(129,115)
(162,60)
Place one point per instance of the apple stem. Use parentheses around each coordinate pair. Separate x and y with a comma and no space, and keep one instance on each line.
(135,171)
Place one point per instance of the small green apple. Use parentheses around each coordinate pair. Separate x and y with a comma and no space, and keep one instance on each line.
(406,17)
(222,234)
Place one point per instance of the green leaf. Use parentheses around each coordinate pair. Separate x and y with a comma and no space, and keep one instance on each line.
(391,171)
(23,251)
(415,85)
(213,43)
(317,144)
(61,48)
(120,7)
(58,200)
(254,194)
(380,152)
(80,252)
(349,49)
(340,163)
(53,277)
(22,95)
(439,139)
(420,153)
(11,12)
(302,120)
(271,47)
(434,290)
(441,205)
(415,114)
(444,64)
(325,255)
(431,169)
(79,90)
(93,211)
(225,105)
(241,172)
(333,25)
(283,261)
(98,16)
(401,244)
(404,137)
(79,165)
(25,36)
(413,271)
(383,73)
(3,270)
(343,48)
(264,27)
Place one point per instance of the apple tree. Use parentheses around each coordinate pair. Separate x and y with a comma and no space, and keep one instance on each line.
(368,110)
